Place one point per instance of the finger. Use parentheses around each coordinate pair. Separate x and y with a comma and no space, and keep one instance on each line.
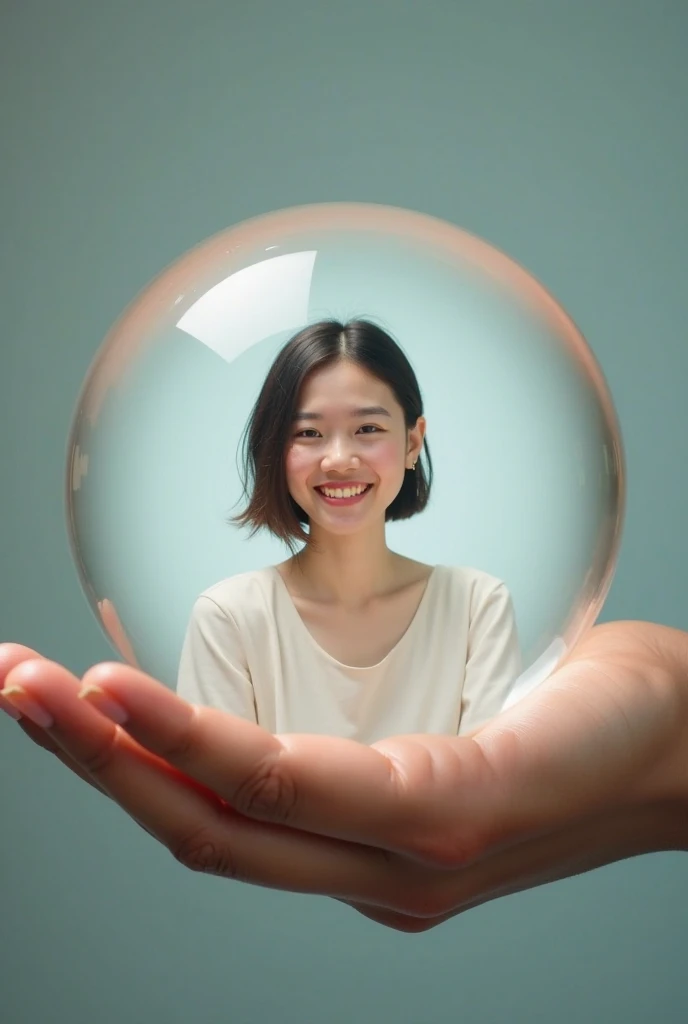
(402,796)
(42,739)
(10,656)
(442,801)
(577,848)
(325,785)
(426,797)
(437,800)
(199,828)
(580,846)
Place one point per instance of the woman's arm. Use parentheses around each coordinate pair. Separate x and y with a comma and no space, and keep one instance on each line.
(213,670)
(493,660)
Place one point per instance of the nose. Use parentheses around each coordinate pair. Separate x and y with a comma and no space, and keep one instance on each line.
(340,455)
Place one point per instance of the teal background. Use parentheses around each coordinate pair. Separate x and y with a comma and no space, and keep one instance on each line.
(556,131)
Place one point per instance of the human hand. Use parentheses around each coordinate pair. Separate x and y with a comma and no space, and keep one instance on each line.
(588,769)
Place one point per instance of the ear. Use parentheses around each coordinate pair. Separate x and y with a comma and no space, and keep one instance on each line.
(416,436)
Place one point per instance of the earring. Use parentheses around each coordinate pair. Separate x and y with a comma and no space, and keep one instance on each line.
(413,466)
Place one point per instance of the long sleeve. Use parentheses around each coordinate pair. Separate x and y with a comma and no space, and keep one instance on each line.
(213,669)
(493,659)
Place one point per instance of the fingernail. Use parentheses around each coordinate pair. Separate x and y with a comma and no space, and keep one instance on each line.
(28,706)
(107,705)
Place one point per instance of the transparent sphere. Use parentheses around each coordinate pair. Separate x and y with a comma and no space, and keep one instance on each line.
(528,464)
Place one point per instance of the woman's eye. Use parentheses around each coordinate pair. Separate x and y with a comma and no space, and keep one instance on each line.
(311,432)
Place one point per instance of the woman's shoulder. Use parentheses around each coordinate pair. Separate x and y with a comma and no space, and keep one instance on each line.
(468,577)
(241,592)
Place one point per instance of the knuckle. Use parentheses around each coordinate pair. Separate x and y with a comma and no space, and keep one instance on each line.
(99,760)
(182,750)
(202,852)
(183,747)
(269,793)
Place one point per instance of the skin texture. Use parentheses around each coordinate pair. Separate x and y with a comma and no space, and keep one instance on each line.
(347,563)
(589,769)
(338,446)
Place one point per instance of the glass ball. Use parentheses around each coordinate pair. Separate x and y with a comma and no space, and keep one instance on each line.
(528,463)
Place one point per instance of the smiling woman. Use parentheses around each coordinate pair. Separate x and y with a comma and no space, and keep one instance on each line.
(346,637)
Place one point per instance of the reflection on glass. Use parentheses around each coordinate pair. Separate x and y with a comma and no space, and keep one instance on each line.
(529,482)
(233,315)
(346,637)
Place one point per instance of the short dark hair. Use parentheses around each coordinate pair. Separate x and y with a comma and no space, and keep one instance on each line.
(270,505)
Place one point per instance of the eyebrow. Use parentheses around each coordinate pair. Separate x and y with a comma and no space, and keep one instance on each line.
(371,410)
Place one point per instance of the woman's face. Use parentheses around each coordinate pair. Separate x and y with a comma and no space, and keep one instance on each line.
(349,448)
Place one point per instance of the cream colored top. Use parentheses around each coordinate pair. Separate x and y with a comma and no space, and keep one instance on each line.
(248,651)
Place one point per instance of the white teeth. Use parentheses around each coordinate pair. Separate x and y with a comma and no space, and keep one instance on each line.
(343,492)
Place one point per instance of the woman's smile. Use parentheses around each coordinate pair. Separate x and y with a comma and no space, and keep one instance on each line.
(340,494)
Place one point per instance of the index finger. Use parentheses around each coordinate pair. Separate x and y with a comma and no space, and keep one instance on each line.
(602,732)
(199,828)
(399,795)
(252,769)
